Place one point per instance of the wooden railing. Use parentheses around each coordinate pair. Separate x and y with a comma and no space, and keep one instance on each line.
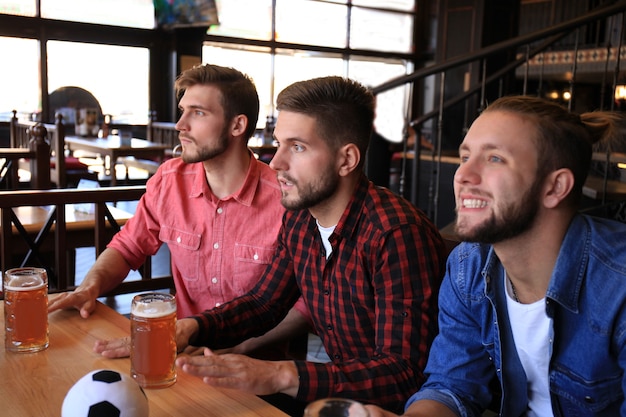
(38,156)
(50,138)
(101,226)
(28,142)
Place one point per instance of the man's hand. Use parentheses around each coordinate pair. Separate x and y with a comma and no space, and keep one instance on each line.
(82,300)
(105,274)
(242,372)
(120,348)
(114,348)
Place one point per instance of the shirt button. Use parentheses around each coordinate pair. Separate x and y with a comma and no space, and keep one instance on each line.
(217,304)
(220,210)
(329,327)
(214,280)
(216,245)
(256,257)
(178,239)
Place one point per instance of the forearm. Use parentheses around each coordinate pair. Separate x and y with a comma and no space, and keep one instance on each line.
(422,408)
(385,381)
(109,270)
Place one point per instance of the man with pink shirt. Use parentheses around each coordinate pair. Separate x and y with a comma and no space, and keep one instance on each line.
(216,207)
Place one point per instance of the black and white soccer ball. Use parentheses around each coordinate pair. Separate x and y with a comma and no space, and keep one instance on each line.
(105,393)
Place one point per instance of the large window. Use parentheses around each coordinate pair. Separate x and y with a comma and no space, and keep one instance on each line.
(254,61)
(256,23)
(367,24)
(276,42)
(349,29)
(325,23)
(296,65)
(19,83)
(117,76)
(131,13)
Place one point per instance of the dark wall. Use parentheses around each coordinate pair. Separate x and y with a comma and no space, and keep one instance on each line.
(467,26)
(442,213)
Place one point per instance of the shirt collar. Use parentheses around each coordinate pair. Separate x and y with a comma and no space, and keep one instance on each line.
(571,265)
(245,195)
(347,224)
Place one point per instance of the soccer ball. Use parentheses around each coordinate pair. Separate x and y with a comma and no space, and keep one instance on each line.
(105,393)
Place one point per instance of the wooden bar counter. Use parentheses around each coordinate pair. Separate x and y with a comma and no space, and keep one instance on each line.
(35,384)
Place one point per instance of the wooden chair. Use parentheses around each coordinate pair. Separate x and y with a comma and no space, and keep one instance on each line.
(65,171)
(38,155)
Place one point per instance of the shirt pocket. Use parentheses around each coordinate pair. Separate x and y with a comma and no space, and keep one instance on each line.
(184,249)
(250,263)
(580,397)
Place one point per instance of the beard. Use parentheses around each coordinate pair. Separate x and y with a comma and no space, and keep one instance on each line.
(207,152)
(515,219)
(313,193)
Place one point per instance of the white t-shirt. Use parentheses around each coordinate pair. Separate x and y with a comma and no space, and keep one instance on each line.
(325,233)
(531,333)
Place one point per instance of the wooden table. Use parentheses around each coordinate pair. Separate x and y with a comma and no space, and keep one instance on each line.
(35,384)
(111,148)
(33,217)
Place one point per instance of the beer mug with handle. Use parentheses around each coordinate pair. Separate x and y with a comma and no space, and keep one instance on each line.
(25,309)
(153,339)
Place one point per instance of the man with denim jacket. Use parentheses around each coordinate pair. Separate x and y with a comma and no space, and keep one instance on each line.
(537,305)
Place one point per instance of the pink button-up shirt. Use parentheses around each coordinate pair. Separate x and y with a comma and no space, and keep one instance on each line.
(219,247)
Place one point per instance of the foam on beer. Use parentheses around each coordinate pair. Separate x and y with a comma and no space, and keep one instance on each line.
(24,283)
(153,309)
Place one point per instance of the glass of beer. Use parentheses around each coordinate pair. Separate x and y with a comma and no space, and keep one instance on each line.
(25,309)
(335,407)
(153,339)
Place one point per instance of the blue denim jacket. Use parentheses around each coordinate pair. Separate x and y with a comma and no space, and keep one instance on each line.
(586,299)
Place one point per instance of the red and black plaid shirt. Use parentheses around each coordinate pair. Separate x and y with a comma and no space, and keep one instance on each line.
(373,302)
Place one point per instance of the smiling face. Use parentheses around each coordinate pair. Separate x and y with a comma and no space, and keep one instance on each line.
(496,187)
(304,162)
(203,130)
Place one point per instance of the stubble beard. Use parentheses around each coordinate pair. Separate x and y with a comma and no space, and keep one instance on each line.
(515,219)
(312,194)
(208,152)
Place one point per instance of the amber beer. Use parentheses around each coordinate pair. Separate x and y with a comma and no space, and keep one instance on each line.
(25,309)
(153,339)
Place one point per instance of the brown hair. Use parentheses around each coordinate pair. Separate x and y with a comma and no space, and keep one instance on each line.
(564,139)
(239,95)
(343,109)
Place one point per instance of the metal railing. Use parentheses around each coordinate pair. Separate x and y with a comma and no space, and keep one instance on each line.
(524,48)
